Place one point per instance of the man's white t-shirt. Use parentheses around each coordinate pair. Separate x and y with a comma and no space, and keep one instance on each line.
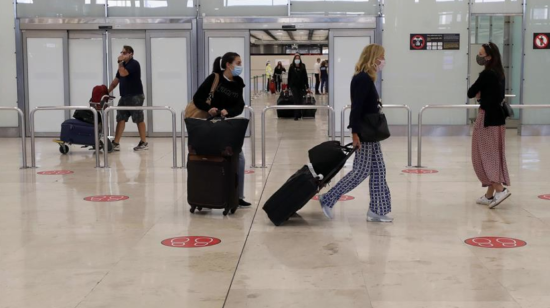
(316,68)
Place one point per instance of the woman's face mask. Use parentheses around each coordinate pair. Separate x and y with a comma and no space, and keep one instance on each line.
(237,70)
(297,61)
(481,60)
(381,65)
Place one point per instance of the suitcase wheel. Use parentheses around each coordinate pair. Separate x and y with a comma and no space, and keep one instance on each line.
(199,208)
(225,212)
(233,211)
(63,149)
(192,210)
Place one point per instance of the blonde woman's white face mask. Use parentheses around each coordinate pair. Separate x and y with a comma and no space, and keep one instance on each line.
(380,66)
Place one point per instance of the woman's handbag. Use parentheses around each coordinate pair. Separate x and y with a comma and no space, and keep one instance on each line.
(374,127)
(191,111)
(507,109)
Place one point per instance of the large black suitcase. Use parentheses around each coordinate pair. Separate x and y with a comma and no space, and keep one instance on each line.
(306,183)
(328,157)
(74,131)
(309,113)
(212,183)
(285,99)
(292,196)
(223,137)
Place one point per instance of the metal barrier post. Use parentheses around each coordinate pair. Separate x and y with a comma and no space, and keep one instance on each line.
(96,130)
(183,131)
(107,111)
(23,137)
(332,118)
(252,134)
(409,128)
(419,154)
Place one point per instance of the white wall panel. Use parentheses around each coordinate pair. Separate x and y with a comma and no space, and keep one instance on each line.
(497,6)
(138,44)
(418,78)
(85,68)
(346,54)
(45,79)
(537,63)
(170,79)
(8,73)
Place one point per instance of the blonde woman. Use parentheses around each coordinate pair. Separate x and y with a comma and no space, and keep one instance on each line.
(369,161)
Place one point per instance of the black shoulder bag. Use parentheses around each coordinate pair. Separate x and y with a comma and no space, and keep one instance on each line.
(374,126)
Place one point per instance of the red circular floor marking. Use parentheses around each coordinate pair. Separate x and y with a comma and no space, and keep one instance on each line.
(55,172)
(495,242)
(248,171)
(544,197)
(191,241)
(106,198)
(420,171)
(343,198)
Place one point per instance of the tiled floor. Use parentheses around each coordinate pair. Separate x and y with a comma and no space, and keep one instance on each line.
(57,250)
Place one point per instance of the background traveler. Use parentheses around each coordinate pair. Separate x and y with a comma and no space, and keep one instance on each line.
(317,72)
(298,83)
(324,77)
(131,95)
(278,75)
(489,136)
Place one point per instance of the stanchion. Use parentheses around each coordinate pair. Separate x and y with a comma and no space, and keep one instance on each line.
(22,132)
(96,130)
(143,108)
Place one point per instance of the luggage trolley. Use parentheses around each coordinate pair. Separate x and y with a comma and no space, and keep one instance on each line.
(80,130)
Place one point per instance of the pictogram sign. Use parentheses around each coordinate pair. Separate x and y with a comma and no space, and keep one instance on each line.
(541,41)
(191,241)
(106,198)
(544,197)
(420,171)
(495,242)
(343,198)
(55,172)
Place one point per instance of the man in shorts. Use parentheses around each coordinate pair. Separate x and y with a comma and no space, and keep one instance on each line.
(131,95)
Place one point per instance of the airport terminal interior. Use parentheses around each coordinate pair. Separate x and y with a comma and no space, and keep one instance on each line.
(117,224)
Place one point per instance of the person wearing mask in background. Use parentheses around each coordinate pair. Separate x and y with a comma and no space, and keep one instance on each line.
(324,77)
(131,95)
(278,75)
(268,73)
(227,101)
(298,83)
(488,138)
(369,161)
(316,70)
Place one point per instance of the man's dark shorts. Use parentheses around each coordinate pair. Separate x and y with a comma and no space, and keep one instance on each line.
(131,101)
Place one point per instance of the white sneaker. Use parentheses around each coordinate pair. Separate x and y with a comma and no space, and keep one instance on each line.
(499,197)
(484,200)
(373,217)
(326,210)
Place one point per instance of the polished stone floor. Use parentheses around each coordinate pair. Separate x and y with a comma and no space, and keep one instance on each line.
(58,250)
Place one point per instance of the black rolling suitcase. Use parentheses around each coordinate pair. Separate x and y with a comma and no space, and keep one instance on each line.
(309,113)
(212,183)
(285,99)
(306,183)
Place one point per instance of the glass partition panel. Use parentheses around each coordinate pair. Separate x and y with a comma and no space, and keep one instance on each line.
(334,7)
(86,67)
(152,8)
(537,62)
(60,8)
(244,8)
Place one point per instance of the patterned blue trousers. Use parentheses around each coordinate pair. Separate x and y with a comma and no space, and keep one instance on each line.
(368,162)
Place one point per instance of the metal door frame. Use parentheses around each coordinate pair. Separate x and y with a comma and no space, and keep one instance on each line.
(24,104)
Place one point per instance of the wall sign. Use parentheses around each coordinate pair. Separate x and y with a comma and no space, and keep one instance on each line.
(445,41)
(55,172)
(106,198)
(541,40)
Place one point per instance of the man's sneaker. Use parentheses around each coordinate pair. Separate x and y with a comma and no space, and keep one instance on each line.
(326,210)
(373,217)
(142,146)
(483,200)
(116,146)
(499,197)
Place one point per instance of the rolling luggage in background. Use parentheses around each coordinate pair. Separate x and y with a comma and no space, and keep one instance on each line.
(272,87)
(301,187)
(309,113)
(284,87)
(285,99)
(74,131)
(212,183)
